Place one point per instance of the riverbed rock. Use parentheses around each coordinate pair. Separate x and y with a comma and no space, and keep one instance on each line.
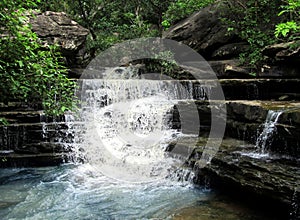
(57,28)
(32,160)
(32,139)
(234,169)
(43,147)
(229,69)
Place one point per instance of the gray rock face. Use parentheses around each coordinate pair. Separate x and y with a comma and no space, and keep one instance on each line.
(245,120)
(58,28)
(204,32)
(285,57)
(273,178)
(32,139)
(240,166)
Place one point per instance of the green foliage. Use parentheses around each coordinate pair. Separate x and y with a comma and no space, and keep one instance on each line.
(180,9)
(291,7)
(283,29)
(111,21)
(254,22)
(29,71)
(53,5)
(291,28)
(3,121)
(163,63)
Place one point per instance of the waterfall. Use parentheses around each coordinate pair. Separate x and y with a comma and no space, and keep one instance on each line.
(264,139)
(71,138)
(128,124)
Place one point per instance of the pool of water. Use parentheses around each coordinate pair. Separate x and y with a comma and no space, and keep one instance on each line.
(79,192)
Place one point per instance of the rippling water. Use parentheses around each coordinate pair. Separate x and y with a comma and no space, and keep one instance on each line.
(80,192)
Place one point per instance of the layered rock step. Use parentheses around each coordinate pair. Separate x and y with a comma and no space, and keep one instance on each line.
(235,168)
(246,120)
(239,169)
(32,139)
(242,89)
(259,157)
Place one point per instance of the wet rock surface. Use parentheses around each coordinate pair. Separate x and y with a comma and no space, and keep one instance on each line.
(32,160)
(32,139)
(260,175)
(245,121)
(241,166)
(245,89)
(249,177)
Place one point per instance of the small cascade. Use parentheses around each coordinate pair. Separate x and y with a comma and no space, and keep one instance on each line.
(71,137)
(202,92)
(184,175)
(264,139)
(128,124)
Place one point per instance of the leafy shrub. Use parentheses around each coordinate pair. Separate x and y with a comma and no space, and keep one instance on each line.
(30,72)
(254,22)
(180,9)
(289,29)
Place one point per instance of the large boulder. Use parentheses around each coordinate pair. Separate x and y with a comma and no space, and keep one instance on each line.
(58,28)
(205,32)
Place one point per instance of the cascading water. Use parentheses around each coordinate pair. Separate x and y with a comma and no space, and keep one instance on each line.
(265,137)
(126,129)
(269,128)
(128,125)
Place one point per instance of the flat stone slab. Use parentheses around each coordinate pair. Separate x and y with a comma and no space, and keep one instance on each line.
(238,165)
(32,160)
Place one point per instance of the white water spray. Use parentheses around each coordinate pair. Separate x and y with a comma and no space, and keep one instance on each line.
(128,124)
(269,128)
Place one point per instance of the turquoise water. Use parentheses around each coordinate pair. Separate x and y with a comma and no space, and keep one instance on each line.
(80,192)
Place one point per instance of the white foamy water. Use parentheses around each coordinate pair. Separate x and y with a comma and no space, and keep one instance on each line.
(128,126)
(81,192)
(269,128)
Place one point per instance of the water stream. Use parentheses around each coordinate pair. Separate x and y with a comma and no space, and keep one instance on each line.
(265,137)
(81,192)
(269,128)
(128,124)
(126,128)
